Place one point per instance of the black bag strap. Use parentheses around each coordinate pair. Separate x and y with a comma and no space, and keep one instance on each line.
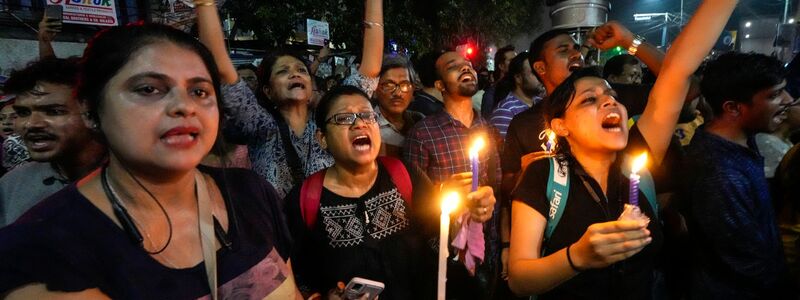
(292,158)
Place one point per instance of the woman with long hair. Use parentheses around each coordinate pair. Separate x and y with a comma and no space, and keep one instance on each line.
(591,254)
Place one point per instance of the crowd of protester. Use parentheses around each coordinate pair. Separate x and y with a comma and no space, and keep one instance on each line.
(152,167)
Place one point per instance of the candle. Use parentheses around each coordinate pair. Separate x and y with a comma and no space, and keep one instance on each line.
(638,164)
(449,204)
(551,141)
(477,145)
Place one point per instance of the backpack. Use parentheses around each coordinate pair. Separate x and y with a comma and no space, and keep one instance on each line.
(558,193)
(311,190)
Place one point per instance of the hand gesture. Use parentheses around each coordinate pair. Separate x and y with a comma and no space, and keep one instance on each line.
(606,243)
(610,35)
(48,28)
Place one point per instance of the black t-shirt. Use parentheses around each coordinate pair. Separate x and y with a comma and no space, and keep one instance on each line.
(369,237)
(522,136)
(68,244)
(628,279)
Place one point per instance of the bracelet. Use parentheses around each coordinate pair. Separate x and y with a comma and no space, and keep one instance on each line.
(635,43)
(372,24)
(571,264)
(198,3)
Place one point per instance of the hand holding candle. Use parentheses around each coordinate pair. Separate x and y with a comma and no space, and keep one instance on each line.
(477,145)
(449,204)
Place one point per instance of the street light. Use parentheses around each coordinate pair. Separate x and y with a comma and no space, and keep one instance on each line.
(748,24)
(747,36)
(649,16)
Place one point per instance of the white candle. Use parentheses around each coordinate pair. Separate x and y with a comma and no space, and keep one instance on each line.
(449,204)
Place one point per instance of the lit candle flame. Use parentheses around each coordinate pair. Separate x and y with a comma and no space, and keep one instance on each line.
(477,145)
(450,203)
(638,163)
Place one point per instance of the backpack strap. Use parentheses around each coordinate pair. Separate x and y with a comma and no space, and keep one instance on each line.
(310,193)
(311,190)
(399,174)
(557,194)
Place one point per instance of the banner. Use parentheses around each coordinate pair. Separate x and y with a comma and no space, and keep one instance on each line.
(317,31)
(88,12)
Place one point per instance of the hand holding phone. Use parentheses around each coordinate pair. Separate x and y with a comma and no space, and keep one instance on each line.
(359,287)
(51,22)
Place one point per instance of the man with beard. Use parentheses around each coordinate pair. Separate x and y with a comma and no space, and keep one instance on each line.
(393,95)
(735,244)
(438,147)
(49,119)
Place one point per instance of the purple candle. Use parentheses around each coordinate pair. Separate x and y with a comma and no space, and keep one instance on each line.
(634,196)
(475,161)
(638,164)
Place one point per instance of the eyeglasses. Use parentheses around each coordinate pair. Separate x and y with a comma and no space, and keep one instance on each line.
(350,118)
(390,87)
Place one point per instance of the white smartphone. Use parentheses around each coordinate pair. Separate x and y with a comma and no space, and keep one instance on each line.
(359,286)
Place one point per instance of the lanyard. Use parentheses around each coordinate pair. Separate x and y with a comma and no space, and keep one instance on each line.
(207,240)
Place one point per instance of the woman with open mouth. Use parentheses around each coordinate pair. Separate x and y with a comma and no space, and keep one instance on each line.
(151,223)
(353,219)
(277,123)
(591,254)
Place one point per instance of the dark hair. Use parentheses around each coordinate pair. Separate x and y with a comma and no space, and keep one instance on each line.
(247,66)
(557,103)
(616,65)
(500,56)
(393,62)
(330,99)
(50,70)
(426,67)
(738,77)
(538,44)
(111,49)
(264,72)
(508,83)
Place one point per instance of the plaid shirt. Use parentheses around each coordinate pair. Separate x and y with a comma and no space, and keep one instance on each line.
(439,146)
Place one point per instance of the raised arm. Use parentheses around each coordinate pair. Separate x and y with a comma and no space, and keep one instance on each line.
(48,28)
(373,39)
(660,116)
(210,31)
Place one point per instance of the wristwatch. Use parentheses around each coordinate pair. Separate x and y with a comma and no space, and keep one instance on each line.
(637,40)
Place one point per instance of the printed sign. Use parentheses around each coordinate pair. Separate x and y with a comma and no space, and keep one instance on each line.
(317,31)
(88,12)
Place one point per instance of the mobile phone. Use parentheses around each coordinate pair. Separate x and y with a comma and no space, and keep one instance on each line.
(54,12)
(359,286)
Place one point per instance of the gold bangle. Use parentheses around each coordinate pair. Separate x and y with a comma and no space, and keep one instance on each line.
(198,3)
(372,24)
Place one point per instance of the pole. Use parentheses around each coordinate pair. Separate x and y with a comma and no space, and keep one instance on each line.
(681,13)
(785,11)
(664,33)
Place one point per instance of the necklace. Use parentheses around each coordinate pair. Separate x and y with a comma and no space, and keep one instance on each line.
(128,223)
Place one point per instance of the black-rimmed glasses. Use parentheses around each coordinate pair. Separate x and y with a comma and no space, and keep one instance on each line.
(350,118)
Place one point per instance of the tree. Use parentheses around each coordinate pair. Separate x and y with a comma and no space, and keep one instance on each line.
(416,25)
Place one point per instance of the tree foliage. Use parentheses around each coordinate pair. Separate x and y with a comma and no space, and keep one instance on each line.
(418,25)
